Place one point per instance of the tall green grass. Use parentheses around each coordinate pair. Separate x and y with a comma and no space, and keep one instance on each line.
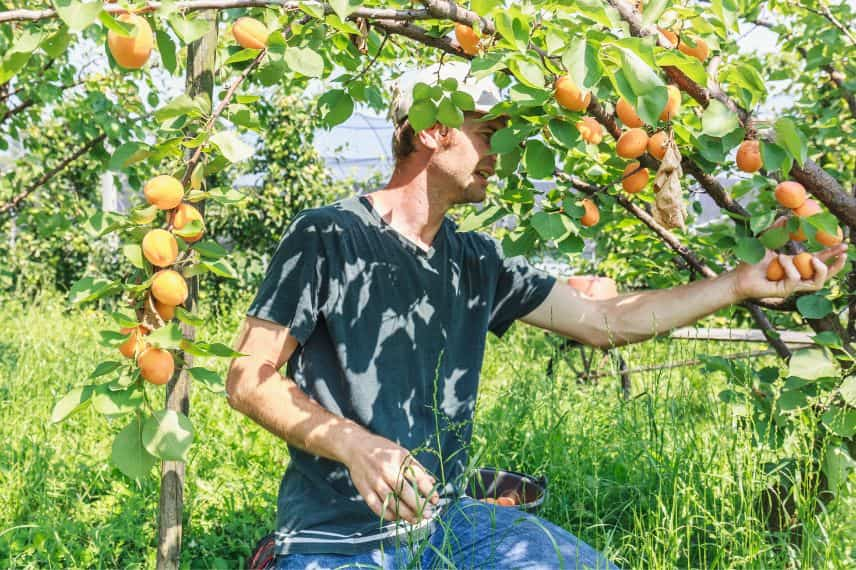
(669,478)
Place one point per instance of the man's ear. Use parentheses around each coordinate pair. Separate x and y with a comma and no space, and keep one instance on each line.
(435,137)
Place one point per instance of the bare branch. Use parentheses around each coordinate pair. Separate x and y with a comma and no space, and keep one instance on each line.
(50,174)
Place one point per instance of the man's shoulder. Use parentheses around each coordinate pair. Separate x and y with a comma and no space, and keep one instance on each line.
(334,216)
(475,241)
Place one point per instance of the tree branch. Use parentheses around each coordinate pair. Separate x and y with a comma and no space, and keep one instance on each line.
(50,174)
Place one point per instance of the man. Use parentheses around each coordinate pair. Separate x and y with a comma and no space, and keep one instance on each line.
(381,309)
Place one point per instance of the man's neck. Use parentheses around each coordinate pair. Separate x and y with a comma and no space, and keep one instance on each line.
(409,207)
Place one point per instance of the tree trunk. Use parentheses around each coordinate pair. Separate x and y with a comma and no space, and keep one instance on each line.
(199,79)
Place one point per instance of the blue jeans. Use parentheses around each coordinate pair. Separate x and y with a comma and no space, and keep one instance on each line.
(471,534)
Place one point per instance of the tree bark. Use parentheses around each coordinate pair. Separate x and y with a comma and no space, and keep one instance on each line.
(199,79)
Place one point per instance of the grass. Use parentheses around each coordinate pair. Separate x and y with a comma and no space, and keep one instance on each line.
(670,478)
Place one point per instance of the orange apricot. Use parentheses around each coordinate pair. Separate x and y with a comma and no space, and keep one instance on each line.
(164,192)
(250,33)
(571,97)
(131,52)
(632,143)
(166,312)
(590,130)
(467,38)
(673,104)
(156,365)
(803,263)
(627,114)
(827,239)
(657,144)
(634,180)
(775,271)
(749,156)
(700,51)
(808,208)
(592,215)
(183,216)
(790,194)
(169,287)
(160,247)
(129,347)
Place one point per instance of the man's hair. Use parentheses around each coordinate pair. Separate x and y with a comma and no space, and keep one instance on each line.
(403,140)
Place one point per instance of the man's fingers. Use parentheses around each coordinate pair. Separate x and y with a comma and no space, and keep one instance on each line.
(836,250)
(821,272)
(792,274)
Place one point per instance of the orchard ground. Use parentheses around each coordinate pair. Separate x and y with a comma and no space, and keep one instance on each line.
(670,478)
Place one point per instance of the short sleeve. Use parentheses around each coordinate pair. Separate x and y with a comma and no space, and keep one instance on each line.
(294,289)
(520,289)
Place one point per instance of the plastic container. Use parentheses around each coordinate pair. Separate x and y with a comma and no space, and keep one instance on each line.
(488,482)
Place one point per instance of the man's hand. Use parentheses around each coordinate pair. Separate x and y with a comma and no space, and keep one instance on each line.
(393,484)
(751,280)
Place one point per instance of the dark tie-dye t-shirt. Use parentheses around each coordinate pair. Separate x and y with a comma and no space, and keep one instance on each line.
(391,337)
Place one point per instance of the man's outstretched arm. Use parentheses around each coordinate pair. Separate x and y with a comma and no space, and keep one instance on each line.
(638,316)
(256,389)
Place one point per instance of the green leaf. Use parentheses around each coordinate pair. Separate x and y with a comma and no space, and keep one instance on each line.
(77,15)
(484,7)
(178,107)
(134,253)
(167,434)
(127,154)
(814,306)
(519,242)
(128,453)
(571,244)
(775,158)
(210,379)
(792,400)
(811,364)
(463,101)
(749,249)
(226,196)
(827,338)
(190,229)
(823,221)
(245,54)
(105,368)
(210,249)
(344,8)
(335,107)
(313,9)
(92,288)
(528,96)
(513,27)
(57,43)
(638,74)
(482,218)
(123,320)
(448,114)
(690,66)
(114,403)
(837,465)
(167,50)
(718,120)
(581,60)
(539,159)
(305,61)
(200,348)
(168,337)
(121,28)
(188,318)
(422,115)
(774,238)
(505,140)
(652,12)
(102,223)
(564,133)
(220,267)
(788,136)
(651,104)
(188,29)
(848,390)
(527,71)
(840,421)
(594,10)
(71,402)
(551,226)
(232,147)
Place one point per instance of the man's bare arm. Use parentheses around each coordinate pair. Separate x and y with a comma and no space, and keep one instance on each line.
(638,316)
(256,389)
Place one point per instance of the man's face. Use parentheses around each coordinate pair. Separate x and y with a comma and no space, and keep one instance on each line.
(465,163)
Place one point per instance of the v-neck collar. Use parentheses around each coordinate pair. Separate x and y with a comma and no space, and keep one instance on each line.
(436,243)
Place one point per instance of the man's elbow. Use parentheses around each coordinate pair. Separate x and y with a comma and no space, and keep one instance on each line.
(236,385)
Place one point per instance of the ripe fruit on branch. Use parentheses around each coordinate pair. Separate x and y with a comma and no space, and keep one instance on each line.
(634,180)
(129,347)
(749,156)
(166,312)
(183,216)
(156,365)
(632,143)
(673,104)
(131,52)
(657,144)
(571,97)
(250,33)
(164,192)
(592,215)
(467,38)
(791,194)
(802,261)
(169,287)
(775,271)
(627,114)
(700,51)
(590,130)
(827,239)
(671,36)
(808,208)
(160,248)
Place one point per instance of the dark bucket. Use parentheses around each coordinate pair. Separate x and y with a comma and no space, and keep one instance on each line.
(528,491)
(264,555)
